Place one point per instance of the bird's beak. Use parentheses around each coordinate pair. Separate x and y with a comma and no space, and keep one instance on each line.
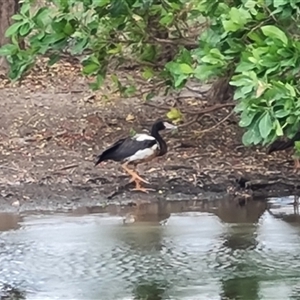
(170,126)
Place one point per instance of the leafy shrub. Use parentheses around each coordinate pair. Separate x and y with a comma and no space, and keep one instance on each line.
(254,41)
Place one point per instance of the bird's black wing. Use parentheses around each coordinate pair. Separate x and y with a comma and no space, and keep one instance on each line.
(104,155)
(130,147)
(125,148)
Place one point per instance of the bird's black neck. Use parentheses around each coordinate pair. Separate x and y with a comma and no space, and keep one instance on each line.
(162,144)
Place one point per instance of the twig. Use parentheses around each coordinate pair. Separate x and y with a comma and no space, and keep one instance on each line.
(186,43)
(9,168)
(194,120)
(68,167)
(218,124)
(209,109)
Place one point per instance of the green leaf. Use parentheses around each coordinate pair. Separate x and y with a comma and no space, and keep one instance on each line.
(100,3)
(230,26)
(290,89)
(180,80)
(54,58)
(167,19)
(17,17)
(129,91)
(59,26)
(281,113)
(279,131)
(237,19)
(265,125)
(274,33)
(148,73)
(244,66)
(90,68)
(13,29)
(41,16)
(291,119)
(132,132)
(149,96)
(25,29)
(8,49)
(248,137)
(204,72)
(246,118)
(25,7)
(186,69)
(79,46)
(68,29)
(174,114)
(297,146)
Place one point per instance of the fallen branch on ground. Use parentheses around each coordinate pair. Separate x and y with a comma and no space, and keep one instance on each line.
(211,128)
(257,184)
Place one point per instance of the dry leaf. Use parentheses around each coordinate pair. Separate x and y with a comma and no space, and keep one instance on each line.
(130,118)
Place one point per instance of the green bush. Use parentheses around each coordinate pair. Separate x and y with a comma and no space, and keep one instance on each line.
(255,41)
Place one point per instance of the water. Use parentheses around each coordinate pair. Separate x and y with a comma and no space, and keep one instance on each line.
(202,251)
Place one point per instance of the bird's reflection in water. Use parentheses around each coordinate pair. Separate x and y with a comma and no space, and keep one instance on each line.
(142,236)
(240,288)
(156,213)
(142,228)
(150,290)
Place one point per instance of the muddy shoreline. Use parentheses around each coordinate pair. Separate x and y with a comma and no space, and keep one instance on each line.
(66,197)
(52,126)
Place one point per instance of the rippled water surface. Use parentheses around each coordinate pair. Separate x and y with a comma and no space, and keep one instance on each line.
(223,252)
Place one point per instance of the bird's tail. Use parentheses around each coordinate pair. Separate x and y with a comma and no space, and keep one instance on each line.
(99,159)
(280,145)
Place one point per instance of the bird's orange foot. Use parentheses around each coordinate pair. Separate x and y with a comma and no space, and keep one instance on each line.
(135,177)
(139,188)
(142,189)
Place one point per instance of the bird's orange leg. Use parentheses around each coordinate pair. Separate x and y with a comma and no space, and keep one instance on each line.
(134,176)
(137,179)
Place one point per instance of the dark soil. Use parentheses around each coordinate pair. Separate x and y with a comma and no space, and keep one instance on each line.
(52,126)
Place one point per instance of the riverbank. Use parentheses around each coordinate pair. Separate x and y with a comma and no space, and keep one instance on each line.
(52,126)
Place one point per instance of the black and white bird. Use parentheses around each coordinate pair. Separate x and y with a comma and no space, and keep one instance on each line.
(137,149)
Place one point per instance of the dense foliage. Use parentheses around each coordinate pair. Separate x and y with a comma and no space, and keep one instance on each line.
(255,42)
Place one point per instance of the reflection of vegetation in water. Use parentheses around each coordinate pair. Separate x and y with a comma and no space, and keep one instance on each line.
(241,238)
(140,238)
(8,292)
(151,290)
(240,288)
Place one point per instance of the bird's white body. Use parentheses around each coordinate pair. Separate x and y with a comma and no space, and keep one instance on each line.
(143,154)
(146,153)
(143,137)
